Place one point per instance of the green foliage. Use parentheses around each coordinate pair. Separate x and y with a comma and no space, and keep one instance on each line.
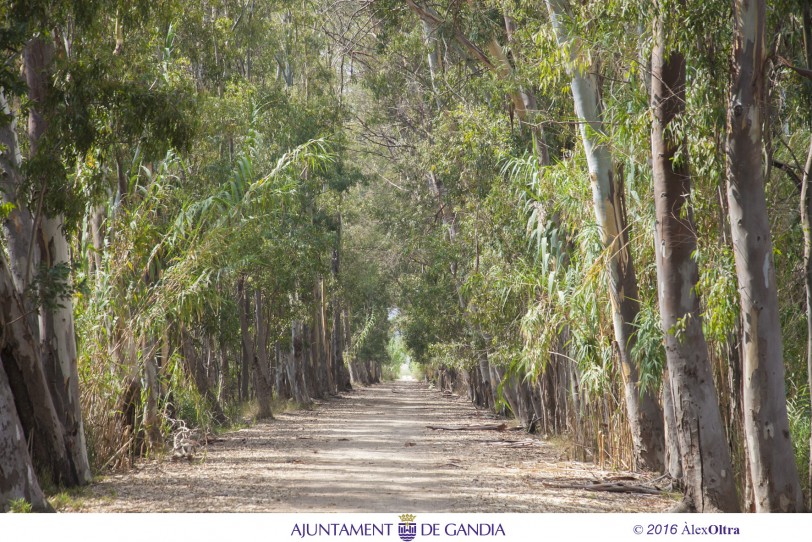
(20,506)
(648,352)
(200,165)
(798,409)
(69,500)
(398,354)
(51,286)
(717,287)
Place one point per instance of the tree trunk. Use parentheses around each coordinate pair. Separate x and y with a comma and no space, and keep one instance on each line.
(430,39)
(772,463)
(17,480)
(495,376)
(343,381)
(370,370)
(95,222)
(290,371)
(320,372)
(37,56)
(223,393)
(32,397)
(152,422)
(806,225)
(488,392)
(247,342)
(296,363)
(283,388)
(308,365)
(673,457)
(59,354)
(644,413)
(58,335)
(706,464)
(325,352)
(342,375)
(18,224)
(261,363)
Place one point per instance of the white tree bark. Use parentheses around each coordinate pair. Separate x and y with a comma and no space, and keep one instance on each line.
(18,480)
(644,412)
(776,484)
(59,342)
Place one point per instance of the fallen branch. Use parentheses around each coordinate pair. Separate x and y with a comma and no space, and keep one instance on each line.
(621,478)
(485,427)
(611,487)
(516,443)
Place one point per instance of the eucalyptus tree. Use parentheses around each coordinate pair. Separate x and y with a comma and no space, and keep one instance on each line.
(772,464)
(25,378)
(703,451)
(56,321)
(644,412)
(44,374)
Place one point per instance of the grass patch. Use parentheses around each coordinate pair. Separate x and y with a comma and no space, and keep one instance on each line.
(245,414)
(69,500)
(19,506)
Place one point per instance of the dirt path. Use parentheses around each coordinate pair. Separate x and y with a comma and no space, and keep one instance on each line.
(367,451)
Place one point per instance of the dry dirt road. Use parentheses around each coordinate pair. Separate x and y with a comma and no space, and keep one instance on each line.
(368,451)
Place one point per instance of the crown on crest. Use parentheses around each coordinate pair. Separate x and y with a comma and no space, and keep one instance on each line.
(407,518)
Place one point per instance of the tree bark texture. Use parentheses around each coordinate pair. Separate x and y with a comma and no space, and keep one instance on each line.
(644,412)
(32,396)
(152,420)
(343,381)
(57,329)
(59,355)
(673,457)
(18,225)
(776,484)
(706,465)
(17,477)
